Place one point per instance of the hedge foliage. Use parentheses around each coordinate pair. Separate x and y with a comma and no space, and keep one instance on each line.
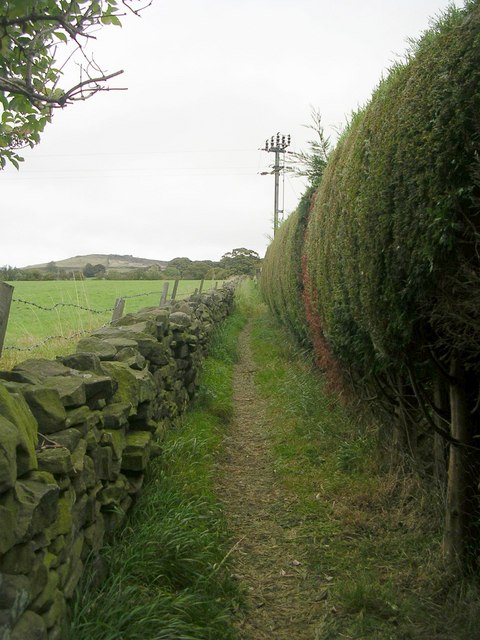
(282,282)
(389,267)
(395,226)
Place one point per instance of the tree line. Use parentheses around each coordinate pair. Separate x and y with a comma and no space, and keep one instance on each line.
(239,261)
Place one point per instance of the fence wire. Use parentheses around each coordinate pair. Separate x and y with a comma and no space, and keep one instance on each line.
(82,332)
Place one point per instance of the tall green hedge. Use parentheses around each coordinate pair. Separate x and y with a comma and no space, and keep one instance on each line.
(390,262)
(282,281)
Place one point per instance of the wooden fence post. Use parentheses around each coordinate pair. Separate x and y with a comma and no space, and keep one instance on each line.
(216,284)
(201,286)
(175,287)
(118,309)
(6,293)
(163,299)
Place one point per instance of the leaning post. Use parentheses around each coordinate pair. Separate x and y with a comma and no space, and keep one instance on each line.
(118,309)
(163,298)
(6,293)
(175,287)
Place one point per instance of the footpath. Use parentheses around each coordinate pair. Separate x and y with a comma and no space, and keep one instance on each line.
(267,556)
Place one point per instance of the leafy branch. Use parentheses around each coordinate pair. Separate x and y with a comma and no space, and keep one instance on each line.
(32,34)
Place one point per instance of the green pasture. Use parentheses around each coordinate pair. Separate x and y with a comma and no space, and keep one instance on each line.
(29,325)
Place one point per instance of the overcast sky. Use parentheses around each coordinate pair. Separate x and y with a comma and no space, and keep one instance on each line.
(171,166)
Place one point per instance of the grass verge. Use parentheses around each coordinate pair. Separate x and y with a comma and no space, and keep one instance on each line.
(371,534)
(168,570)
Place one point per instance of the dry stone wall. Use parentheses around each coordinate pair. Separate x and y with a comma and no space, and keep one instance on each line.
(76,435)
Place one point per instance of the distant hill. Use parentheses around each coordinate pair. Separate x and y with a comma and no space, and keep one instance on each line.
(110,261)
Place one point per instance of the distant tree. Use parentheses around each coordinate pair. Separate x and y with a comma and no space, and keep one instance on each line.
(240,261)
(183,265)
(216,273)
(90,270)
(31,34)
(171,272)
(311,164)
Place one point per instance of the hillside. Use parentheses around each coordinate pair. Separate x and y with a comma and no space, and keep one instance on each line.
(110,261)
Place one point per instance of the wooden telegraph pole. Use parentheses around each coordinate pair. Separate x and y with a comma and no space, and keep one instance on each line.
(277,145)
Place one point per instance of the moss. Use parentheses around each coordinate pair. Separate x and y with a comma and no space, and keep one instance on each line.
(14,408)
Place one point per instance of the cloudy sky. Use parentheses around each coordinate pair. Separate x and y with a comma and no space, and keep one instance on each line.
(171,166)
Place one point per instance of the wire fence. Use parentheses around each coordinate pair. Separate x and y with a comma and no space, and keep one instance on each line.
(7,299)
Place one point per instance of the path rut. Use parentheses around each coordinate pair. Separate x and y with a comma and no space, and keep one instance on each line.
(268,557)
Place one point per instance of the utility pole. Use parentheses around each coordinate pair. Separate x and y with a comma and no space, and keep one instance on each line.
(277,145)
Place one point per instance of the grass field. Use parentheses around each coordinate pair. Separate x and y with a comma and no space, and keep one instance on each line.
(30,325)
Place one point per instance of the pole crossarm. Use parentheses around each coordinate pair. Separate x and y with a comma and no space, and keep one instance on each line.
(277,144)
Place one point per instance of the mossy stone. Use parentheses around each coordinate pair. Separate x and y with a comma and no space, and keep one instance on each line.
(56,460)
(46,406)
(42,368)
(10,438)
(55,614)
(19,559)
(127,390)
(116,415)
(15,593)
(71,390)
(94,345)
(137,452)
(36,503)
(116,439)
(45,599)
(82,362)
(68,438)
(14,408)
(29,627)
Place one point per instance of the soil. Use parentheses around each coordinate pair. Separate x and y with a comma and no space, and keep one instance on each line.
(268,556)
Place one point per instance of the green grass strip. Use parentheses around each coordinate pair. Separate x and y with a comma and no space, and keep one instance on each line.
(371,534)
(168,574)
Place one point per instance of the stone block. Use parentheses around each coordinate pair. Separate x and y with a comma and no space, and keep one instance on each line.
(71,390)
(128,388)
(67,438)
(82,362)
(41,368)
(29,627)
(74,576)
(19,559)
(116,415)
(132,357)
(46,406)
(97,386)
(33,505)
(116,439)
(79,513)
(180,319)
(137,452)
(45,599)
(56,612)
(14,409)
(55,460)
(82,416)
(96,346)
(103,461)
(9,440)
(113,493)
(78,456)
(15,593)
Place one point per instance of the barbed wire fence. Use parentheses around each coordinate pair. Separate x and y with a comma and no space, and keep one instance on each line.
(7,299)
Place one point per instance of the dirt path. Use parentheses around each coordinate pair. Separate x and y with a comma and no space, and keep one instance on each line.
(268,558)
